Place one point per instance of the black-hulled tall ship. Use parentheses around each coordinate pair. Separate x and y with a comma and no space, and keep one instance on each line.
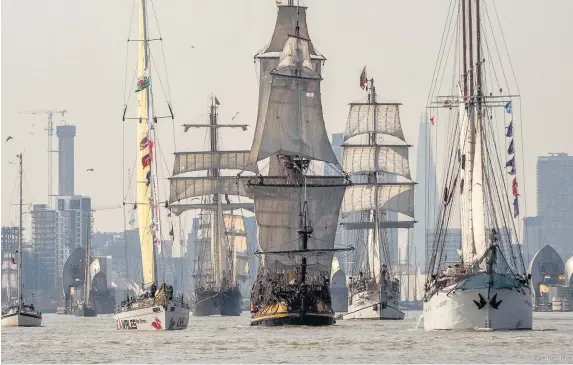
(296,210)
(221,256)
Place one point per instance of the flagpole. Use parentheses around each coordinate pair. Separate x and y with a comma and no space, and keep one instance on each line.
(20,243)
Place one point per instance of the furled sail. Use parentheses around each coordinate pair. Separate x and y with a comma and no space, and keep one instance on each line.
(144,158)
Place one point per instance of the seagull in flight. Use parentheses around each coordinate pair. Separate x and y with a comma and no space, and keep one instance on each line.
(237,113)
(9,138)
(89,169)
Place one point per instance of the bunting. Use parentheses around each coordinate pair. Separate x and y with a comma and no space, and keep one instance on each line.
(509,132)
(511,162)
(432,120)
(515,208)
(510,149)
(508,107)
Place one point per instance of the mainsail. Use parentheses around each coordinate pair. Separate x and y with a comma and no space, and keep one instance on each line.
(375,166)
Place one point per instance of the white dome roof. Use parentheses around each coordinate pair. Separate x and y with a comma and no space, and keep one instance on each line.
(569,269)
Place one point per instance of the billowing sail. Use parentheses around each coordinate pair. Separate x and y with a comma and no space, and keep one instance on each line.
(368,158)
(144,157)
(382,118)
(206,160)
(278,208)
(290,116)
(194,186)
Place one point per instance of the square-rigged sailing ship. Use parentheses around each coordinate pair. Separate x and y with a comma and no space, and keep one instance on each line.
(296,207)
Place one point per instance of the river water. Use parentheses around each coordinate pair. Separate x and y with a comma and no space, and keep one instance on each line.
(69,339)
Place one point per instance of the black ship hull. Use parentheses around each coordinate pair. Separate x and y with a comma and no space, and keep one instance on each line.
(295,319)
(85,312)
(231,302)
(213,302)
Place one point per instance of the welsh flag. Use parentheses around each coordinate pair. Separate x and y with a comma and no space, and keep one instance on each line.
(363,78)
(142,83)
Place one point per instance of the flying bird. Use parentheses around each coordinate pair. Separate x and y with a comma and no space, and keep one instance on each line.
(9,138)
(192,46)
(237,113)
(89,169)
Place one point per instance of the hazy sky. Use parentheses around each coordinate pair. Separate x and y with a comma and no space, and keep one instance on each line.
(64,54)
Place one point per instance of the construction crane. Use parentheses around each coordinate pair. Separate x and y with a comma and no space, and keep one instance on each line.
(50,129)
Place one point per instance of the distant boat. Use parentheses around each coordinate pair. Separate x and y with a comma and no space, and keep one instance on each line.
(158,309)
(489,288)
(85,308)
(19,314)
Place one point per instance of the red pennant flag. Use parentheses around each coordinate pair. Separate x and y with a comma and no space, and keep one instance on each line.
(432,120)
(363,78)
(514,187)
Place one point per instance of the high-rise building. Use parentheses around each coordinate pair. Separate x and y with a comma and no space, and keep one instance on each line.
(66,159)
(555,202)
(426,196)
(45,226)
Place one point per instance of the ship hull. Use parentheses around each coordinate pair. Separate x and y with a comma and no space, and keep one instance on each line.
(231,302)
(502,309)
(206,303)
(374,305)
(153,319)
(85,312)
(279,315)
(211,302)
(21,320)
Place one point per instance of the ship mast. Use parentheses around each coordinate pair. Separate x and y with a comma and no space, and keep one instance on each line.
(20,291)
(217,254)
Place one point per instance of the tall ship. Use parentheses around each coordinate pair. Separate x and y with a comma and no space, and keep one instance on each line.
(296,206)
(158,308)
(376,154)
(86,305)
(18,313)
(489,288)
(221,256)
(73,281)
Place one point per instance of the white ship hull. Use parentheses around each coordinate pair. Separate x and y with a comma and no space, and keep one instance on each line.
(21,320)
(506,309)
(373,305)
(153,319)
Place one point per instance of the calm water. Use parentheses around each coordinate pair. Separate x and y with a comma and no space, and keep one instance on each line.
(69,339)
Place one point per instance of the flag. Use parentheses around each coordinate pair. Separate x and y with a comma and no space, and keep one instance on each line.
(142,83)
(148,178)
(514,187)
(217,101)
(432,120)
(510,163)
(146,160)
(144,142)
(363,78)
(508,107)
(510,149)
(515,208)
(12,261)
(509,132)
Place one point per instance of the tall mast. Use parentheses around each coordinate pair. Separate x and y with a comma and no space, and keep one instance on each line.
(471,58)
(465,62)
(87,267)
(20,294)
(479,60)
(217,257)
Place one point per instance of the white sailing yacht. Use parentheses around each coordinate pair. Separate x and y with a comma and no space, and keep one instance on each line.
(20,314)
(489,287)
(157,308)
(374,289)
